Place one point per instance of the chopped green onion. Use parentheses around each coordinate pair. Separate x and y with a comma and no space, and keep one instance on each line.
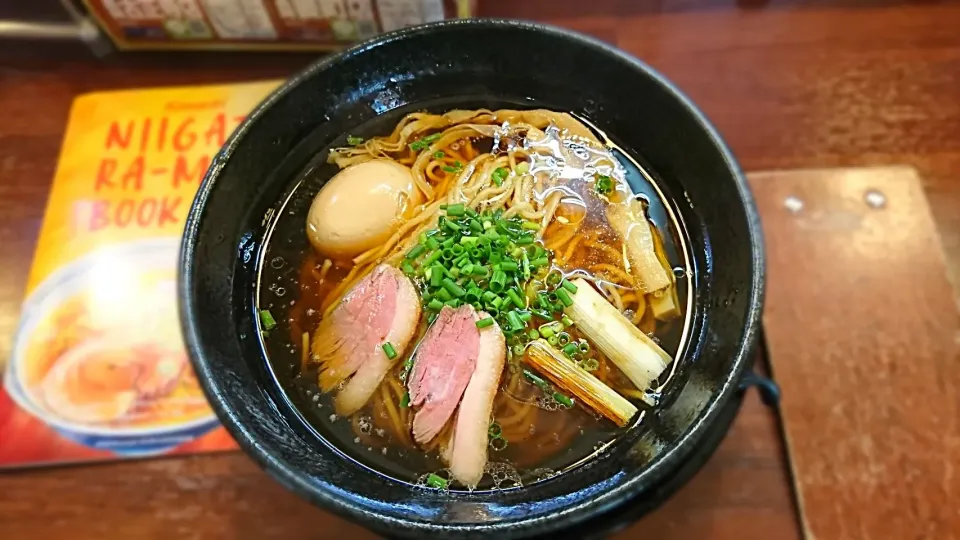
(514,320)
(483,323)
(389,350)
(533,334)
(552,340)
(405,400)
(547,332)
(438,154)
(498,281)
(451,286)
(584,347)
(430,139)
(568,286)
(509,266)
(435,305)
(603,185)
(530,226)
(499,175)
(514,296)
(563,338)
(523,167)
(456,210)
(432,243)
(570,349)
(562,399)
(566,321)
(267,320)
(416,252)
(542,261)
(437,482)
(525,240)
(456,167)
(354,141)
(564,297)
(407,268)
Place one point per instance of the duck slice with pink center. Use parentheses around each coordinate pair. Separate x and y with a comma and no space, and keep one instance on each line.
(349,343)
(457,369)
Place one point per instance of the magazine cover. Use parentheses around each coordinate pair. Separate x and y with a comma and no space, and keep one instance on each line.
(98,369)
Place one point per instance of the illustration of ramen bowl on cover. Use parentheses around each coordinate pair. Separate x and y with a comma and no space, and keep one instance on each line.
(99,357)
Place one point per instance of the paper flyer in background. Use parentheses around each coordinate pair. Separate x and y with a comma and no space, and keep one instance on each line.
(262,24)
(98,369)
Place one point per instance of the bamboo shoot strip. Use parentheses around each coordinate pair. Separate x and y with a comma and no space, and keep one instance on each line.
(637,356)
(630,222)
(584,386)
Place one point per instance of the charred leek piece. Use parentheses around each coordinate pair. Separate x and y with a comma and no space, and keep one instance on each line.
(629,220)
(637,356)
(584,386)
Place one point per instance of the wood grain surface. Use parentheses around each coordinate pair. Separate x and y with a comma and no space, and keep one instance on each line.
(863,335)
(788,83)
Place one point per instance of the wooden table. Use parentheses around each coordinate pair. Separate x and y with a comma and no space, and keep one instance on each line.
(789,84)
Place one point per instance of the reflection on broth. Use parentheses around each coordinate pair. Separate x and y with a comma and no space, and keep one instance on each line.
(518,311)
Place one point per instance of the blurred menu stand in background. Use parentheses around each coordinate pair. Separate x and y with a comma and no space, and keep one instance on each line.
(295,25)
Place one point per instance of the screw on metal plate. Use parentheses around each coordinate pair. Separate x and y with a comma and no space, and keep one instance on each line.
(769,391)
(875,198)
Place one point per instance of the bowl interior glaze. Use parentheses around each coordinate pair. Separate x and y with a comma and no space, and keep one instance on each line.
(506,62)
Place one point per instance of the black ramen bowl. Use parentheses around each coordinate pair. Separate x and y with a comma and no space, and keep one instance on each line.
(441,66)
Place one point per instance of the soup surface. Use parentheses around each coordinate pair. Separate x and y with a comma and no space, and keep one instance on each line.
(474,299)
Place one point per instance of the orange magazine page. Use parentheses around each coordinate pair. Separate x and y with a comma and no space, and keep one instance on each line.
(98,369)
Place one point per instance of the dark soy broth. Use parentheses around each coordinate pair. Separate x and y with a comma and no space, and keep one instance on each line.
(548,438)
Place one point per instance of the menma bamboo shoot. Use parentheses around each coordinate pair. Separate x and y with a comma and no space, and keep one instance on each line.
(584,386)
(637,356)
(630,222)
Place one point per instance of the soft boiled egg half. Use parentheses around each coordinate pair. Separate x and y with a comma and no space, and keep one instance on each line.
(361,207)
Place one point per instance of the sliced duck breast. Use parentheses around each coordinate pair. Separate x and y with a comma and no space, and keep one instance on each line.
(442,367)
(467,451)
(383,307)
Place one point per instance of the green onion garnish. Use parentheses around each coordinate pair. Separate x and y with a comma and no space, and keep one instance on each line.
(438,154)
(499,175)
(564,297)
(437,482)
(514,296)
(389,350)
(457,166)
(354,141)
(563,400)
(456,210)
(568,286)
(267,320)
(483,323)
(451,286)
(603,185)
(416,251)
